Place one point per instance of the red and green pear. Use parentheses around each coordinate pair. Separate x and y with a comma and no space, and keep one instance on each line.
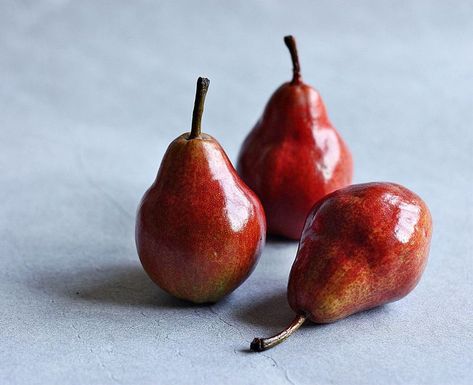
(293,156)
(362,246)
(199,229)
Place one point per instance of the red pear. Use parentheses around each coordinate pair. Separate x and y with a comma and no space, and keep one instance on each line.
(362,246)
(293,156)
(199,229)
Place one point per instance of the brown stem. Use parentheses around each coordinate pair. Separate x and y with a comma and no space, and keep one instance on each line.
(201,91)
(296,68)
(260,344)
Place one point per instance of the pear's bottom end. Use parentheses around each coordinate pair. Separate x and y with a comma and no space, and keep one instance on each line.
(257,345)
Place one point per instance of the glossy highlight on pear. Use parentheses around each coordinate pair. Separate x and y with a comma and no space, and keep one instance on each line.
(293,156)
(199,229)
(362,246)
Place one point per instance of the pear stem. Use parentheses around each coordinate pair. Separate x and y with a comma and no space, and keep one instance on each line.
(200,93)
(296,68)
(261,344)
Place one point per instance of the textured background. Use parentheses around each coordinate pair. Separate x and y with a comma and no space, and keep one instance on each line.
(92,92)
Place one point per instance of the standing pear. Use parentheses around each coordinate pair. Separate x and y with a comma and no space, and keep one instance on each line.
(199,229)
(293,156)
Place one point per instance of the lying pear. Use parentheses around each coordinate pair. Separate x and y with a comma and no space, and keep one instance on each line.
(362,246)
(199,229)
(293,156)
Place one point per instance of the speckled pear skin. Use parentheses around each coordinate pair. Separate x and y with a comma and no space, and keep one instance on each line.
(362,246)
(199,229)
(293,157)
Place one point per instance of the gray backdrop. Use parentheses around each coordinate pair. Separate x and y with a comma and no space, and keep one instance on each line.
(92,92)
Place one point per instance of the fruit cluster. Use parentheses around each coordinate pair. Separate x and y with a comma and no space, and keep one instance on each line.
(201,226)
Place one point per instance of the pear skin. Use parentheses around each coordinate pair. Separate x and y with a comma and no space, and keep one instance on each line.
(362,246)
(293,156)
(199,229)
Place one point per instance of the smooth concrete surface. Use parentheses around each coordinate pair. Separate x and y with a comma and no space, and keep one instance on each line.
(91,94)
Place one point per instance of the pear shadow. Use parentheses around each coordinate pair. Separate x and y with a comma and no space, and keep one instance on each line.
(274,313)
(279,239)
(121,285)
(246,351)
(270,312)
(370,315)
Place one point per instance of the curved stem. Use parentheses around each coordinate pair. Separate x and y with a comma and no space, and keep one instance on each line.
(296,68)
(260,344)
(200,93)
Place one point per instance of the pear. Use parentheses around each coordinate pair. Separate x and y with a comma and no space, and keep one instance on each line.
(293,156)
(199,229)
(362,246)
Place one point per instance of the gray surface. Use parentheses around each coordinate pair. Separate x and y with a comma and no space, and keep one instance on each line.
(91,93)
